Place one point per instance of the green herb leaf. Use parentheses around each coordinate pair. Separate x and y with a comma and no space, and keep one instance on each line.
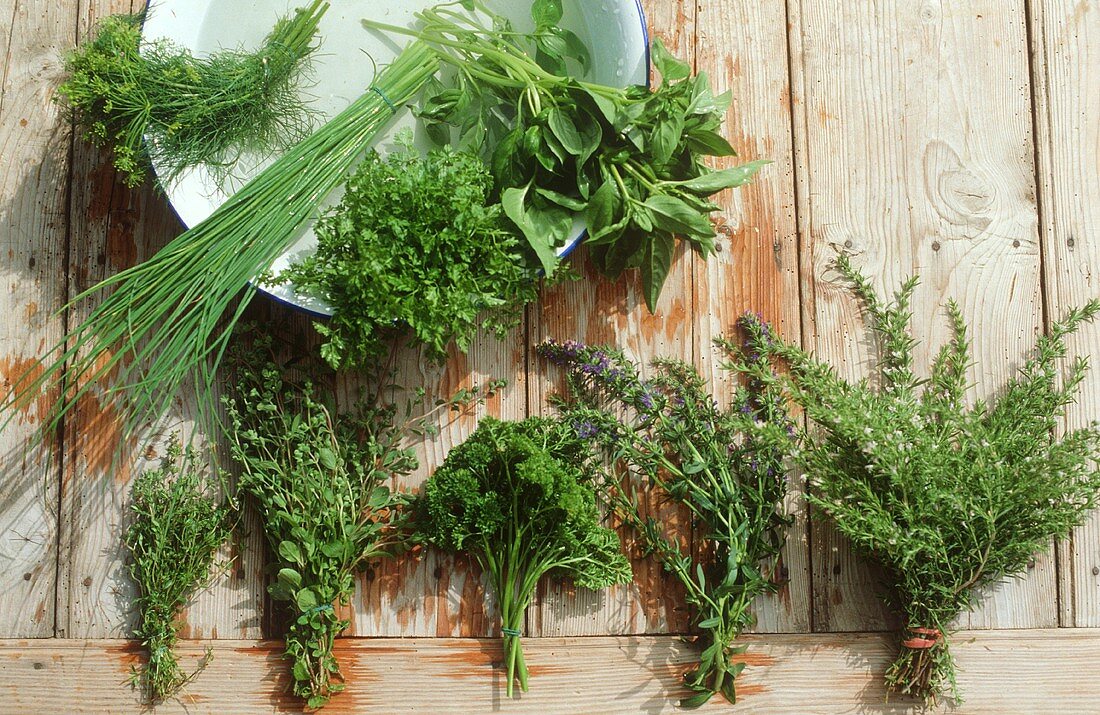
(537,238)
(671,69)
(566,132)
(673,215)
(546,13)
(655,268)
(290,552)
(715,181)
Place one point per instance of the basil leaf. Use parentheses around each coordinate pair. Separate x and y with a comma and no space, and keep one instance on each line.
(513,202)
(655,268)
(575,48)
(603,207)
(546,13)
(675,216)
(565,131)
(666,138)
(671,69)
(709,142)
(562,200)
(716,181)
(608,108)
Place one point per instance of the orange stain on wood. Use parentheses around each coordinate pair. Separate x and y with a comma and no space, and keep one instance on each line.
(30,311)
(98,437)
(17,373)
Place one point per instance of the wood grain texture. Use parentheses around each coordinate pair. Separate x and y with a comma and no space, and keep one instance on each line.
(820,674)
(742,46)
(597,311)
(917,158)
(33,233)
(1066,72)
(114,227)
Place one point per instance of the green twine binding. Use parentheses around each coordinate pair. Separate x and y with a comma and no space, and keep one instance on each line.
(318,609)
(514,632)
(380,93)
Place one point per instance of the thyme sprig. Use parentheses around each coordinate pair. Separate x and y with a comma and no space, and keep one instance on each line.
(176,529)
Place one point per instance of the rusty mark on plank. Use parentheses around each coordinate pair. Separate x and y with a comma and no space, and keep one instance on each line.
(98,436)
(16,372)
(30,311)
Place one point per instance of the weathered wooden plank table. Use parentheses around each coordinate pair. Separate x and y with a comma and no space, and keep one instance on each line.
(960,140)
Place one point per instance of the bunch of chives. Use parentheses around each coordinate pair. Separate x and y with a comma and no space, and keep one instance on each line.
(163,321)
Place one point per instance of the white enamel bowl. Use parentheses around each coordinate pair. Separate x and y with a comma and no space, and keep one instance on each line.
(614,31)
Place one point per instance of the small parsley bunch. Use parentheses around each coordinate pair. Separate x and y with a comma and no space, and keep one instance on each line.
(947,496)
(667,435)
(177,526)
(415,247)
(518,497)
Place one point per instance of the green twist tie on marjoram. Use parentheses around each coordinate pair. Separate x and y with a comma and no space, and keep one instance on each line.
(318,609)
(514,632)
(380,93)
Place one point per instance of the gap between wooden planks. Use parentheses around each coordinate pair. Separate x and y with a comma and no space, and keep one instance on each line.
(1023,671)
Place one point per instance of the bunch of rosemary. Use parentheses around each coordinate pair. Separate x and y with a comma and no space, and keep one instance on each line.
(946,496)
(176,529)
(667,435)
(156,102)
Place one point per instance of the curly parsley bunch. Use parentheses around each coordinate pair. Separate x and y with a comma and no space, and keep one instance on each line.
(517,496)
(947,496)
(415,247)
(667,435)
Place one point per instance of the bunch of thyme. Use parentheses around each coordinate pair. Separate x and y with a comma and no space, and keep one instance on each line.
(176,530)
(668,434)
(156,102)
(946,496)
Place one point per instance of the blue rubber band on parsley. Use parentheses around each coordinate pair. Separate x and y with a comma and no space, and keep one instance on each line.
(518,497)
